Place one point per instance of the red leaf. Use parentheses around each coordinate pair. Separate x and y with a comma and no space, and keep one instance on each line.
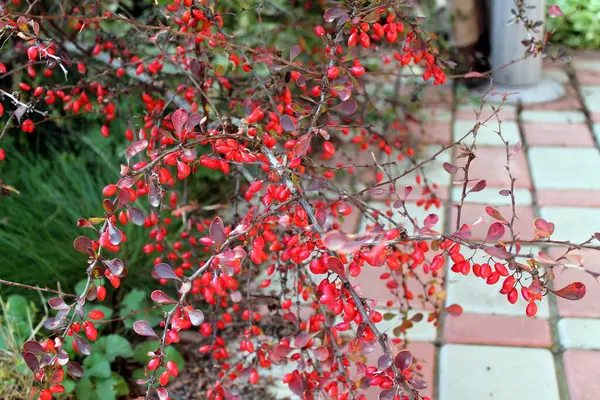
(301,340)
(135,148)
(492,212)
(143,328)
(302,144)
(165,271)
(455,310)
(178,119)
(431,220)
(348,107)
(335,265)
(497,251)
(495,232)
(479,186)
(474,74)
(160,297)
(573,291)
(83,244)
(403,360)
(542,228)
(334,13)
(554,11)
(217,232)
(451,169)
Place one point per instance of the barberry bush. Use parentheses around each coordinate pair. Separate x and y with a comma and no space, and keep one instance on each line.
(296,105)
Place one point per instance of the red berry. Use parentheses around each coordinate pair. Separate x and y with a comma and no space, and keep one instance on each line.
(531,309)
(153,364)
(32,52)
(319,30)
(333,72)
(95,314)
(172,368)
(164,378)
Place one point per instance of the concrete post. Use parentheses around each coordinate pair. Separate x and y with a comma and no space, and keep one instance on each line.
(526,76)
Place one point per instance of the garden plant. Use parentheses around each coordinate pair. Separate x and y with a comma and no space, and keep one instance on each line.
(290,103)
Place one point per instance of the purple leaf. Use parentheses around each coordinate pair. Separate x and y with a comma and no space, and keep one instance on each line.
(296,385)
(165,271)
(82,345)
(516,149)
(384,362)
(135,148)
(127,181)
(403,360)
(31,346)
(57,303)
(162,393)
(479,186)
(302,144)
(287,123)
(136,216)
(495,232)
(451,169)
(178,119)
(417,383)
(196,317)
(63,357)
(114,235)
(294,51)
(193,120)
(115,266)
(387,394)
(334,13)
(83,244)
(32,362)
(301,340)
(158,296)
(75,369)
(407,192)
(154,196)
(143,328)
(497,251)
(123,197)
(504,192)
(347,107)
(217,232)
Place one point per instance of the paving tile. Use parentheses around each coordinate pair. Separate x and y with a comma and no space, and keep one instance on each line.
(569,198)
(553,117)
(497,330)
(557,134)
(433,169)
(431,132)
(579,333)
(421,331)
(556,74)
(472,212)
(582,373)
(487,136)
(477,297)
(469,112)
(589,305)
(589,62)
(587,77)
(565,168)
(489,165)
(491,196)
(493,372)
(568,102)
(596,129)
(436,114)
(591,97)
(572,223)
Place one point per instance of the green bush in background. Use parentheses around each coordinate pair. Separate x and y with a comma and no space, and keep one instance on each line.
(581,29)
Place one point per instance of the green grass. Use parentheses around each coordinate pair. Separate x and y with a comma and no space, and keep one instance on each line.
(38,226)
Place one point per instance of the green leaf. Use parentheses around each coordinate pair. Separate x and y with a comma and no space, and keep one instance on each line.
(137,300)
(388,316)
(141,350)
(108,313)
(105,389)
(96,365)
(121,387)
(84,389)
(113,346)
(69,385)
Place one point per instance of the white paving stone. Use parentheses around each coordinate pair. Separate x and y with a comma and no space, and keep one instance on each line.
(416,213)
(436,114)
(477,297)
(421,331)
(491,196)
(591,97)
(496,373)
(487,134)
(433,169)
(556,75)
(596,128)
(586,64)
(572,223)
(553,117)
(579,333)
(565,168)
